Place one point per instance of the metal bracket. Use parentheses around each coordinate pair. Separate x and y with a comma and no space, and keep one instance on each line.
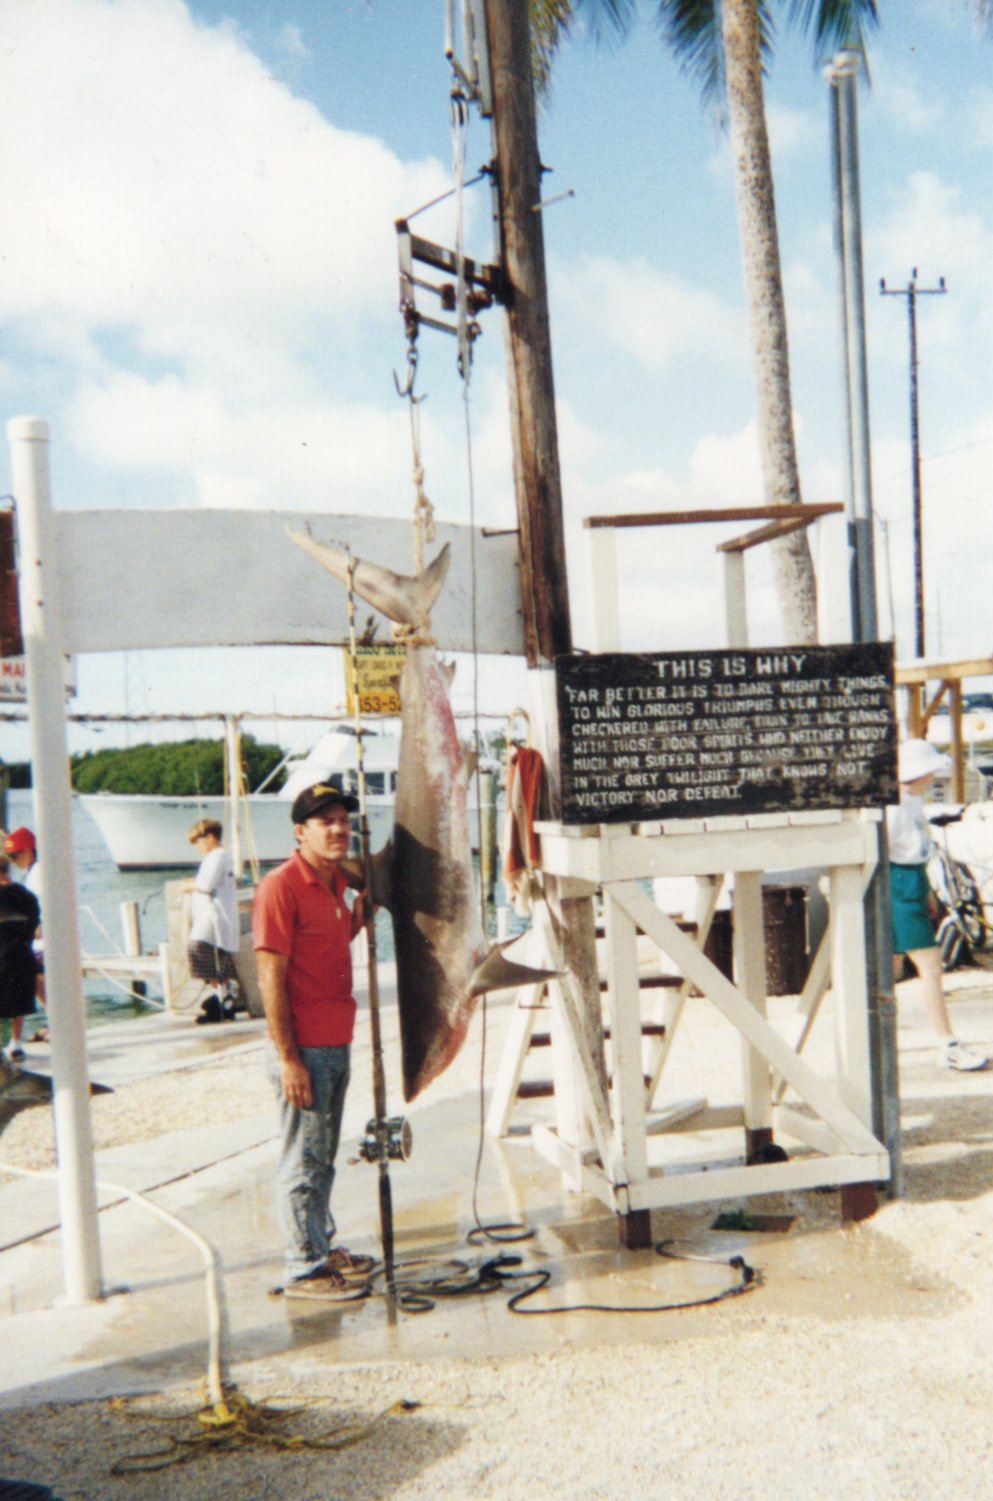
(485,282)
(474,71)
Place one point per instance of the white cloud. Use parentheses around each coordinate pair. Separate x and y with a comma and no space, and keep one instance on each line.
(791,130)
(290,42)
(897,94)
(274,454)
(943,234)
(655,317)
(979,106)
(159,181)
(726,469)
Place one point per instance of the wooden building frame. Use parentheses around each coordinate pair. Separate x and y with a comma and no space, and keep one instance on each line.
(915,677)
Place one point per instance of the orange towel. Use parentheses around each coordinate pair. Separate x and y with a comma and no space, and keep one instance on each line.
(525,781)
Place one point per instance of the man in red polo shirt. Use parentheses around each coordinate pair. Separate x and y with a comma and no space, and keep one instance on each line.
(301,931)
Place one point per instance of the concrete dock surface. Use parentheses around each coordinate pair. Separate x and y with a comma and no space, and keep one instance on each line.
(149,1330)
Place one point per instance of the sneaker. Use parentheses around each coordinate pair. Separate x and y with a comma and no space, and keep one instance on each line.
(955,1054)
(15,1052)
(210,1011)
(344,1263)
(326,1284)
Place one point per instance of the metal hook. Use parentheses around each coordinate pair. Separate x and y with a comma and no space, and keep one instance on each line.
(407,389)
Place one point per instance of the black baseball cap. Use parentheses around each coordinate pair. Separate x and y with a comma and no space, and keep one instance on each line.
(313,800)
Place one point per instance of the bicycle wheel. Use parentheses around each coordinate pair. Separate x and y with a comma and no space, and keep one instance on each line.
(969,906)
(951,942)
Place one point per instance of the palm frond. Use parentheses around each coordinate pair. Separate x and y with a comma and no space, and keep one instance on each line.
(552,22)
(836,23)
(692,28)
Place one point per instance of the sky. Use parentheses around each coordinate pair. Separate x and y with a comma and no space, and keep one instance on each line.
(198,291)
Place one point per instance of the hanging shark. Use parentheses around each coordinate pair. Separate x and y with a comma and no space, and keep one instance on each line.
(424,874)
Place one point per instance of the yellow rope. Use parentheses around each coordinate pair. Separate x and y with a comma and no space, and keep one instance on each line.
(241,1424)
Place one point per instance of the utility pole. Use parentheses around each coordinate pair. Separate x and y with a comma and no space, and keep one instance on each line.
(912,291)
(534,432)
(537,478)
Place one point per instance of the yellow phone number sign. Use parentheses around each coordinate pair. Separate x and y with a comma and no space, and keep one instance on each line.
(374,681)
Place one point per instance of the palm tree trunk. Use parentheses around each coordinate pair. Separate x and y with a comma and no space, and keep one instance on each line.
(794,570)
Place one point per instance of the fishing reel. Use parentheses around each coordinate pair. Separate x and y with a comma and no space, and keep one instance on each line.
(389,1140)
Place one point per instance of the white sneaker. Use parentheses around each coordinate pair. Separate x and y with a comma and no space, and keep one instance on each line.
(955,1054)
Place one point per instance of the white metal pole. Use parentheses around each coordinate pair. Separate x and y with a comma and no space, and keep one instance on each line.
(41,620)
(233,752)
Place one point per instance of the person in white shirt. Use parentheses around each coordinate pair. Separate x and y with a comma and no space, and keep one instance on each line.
(913,903)
(214,935)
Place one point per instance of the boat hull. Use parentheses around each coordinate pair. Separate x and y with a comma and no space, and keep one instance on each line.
(152,833)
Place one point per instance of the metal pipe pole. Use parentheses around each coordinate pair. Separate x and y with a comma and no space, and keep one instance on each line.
(883,1054)
(41,616)
(915,464)
(232,744)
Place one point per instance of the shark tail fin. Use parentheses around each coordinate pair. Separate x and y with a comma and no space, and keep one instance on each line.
(403,599)
(496,972)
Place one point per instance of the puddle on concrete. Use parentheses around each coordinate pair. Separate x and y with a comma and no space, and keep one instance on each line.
(806,1265)
(829,1274)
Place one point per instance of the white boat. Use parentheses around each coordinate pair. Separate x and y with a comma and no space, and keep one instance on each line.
(151,833)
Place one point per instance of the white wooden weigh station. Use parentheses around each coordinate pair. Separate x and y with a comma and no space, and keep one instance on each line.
(604,1132)
(830,1119)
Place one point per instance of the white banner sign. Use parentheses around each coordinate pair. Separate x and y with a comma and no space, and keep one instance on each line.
(13,681)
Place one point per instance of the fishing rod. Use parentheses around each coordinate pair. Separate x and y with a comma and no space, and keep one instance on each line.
(385,1137)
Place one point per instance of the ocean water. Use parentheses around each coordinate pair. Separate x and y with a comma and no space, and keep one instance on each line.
(102,888)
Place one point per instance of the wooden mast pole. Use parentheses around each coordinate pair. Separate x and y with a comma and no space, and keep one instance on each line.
(534,433)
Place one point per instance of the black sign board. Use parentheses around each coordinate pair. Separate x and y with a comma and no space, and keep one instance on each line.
(691,734)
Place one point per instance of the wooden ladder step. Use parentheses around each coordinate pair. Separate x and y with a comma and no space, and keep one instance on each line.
(684,924)
(648,1029)
(543,1089)
(535,1089)
(654,982)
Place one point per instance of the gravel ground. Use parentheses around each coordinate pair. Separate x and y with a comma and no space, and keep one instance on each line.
(749,1402)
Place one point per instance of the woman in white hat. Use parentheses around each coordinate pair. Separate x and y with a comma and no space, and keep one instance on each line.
(913,902)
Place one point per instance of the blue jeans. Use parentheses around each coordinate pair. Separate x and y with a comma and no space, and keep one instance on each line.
(308,1144)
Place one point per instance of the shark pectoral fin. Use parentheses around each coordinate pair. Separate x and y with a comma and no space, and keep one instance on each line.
(382,883)
(496,972)
(470,760)
(353,873)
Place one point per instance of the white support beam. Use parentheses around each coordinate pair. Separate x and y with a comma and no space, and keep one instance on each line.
(601,564)
(128,582)
(511,1066)
(848,978)
(735,599)
(623,1008)
(771,1177)
(817,1092)
(44,646)
(749,967)
(708,890)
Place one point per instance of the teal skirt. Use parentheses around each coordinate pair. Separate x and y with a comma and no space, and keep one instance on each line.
(912,927)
